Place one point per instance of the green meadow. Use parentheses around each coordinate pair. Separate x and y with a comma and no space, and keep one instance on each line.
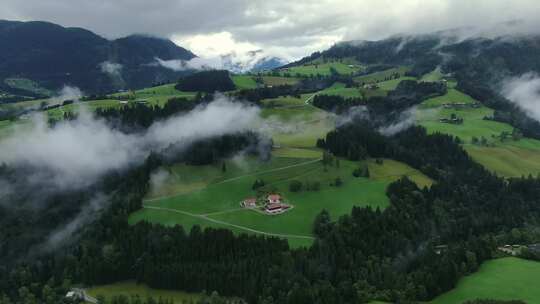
(391,84)
(323,68)
(435,75)
(507,158)
(244,82)
(294,122)
(339,89)
(501,279)
(210,198)
(381,75)
(279,80)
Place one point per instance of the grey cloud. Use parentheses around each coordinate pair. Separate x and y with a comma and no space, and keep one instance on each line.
(318,24)
(78,152)
(111,68)
(524,91)
(406,120)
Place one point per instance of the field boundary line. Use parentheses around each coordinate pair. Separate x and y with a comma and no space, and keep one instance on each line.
(239,177)
(204,217)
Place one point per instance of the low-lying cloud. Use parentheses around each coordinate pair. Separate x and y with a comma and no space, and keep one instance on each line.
(78,152)
(405,120)
(111,68)
(524,91)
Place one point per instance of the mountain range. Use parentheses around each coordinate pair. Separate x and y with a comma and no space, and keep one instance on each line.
(52,56)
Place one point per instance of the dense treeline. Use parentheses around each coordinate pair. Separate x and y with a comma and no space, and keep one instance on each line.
(132,118)
(258,94)
(207,81)
(335,103)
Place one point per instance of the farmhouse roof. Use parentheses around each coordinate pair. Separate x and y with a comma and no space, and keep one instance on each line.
(250,200)
(274,197)
(273,206)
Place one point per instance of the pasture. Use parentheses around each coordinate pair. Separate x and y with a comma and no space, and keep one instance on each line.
(391,84)
(132,289)
(92,105)
(159,95)
(244,82)
(213,200)
(339,89)
(279,80)
(324,68)
(294,122)
(381,75)
(501,279)
(435,75)
(507,158)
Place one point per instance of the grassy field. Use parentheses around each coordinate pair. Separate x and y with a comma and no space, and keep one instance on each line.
(244,82)
(132,289)
(452,96)
(210,198)
(92,105)
(381,75)
(23,104)
(435,75)
(500,279)
(157,95)
(339,89)
(322,69)
(293,122)
(508,158)
(279,80)
(8,127)
(390,85)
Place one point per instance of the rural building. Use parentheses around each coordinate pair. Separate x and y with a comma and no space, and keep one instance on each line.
(249,202)
(276,208)
(510,249)
(440,249)
(371,86)
(274,199)
(74,294)
(534,247)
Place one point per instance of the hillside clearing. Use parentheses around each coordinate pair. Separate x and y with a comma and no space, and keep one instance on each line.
(215,202)
(500,279)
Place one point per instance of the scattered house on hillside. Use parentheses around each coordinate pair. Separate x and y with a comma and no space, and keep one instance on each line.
(250,202)
(276,208)
(453,120)
(371,86)
(534,247)
(75,295)
(460,105)
(440,249)
(274,199)
(274,204)
(510,249)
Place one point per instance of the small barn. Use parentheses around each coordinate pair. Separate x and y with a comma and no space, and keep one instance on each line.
(250,202)
(274,199)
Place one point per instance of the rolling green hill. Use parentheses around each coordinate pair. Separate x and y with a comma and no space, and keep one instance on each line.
(500,279)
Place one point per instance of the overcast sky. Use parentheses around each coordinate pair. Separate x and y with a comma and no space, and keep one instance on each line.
(290,29)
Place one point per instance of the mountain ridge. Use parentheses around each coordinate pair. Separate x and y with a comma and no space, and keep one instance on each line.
(34,48)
